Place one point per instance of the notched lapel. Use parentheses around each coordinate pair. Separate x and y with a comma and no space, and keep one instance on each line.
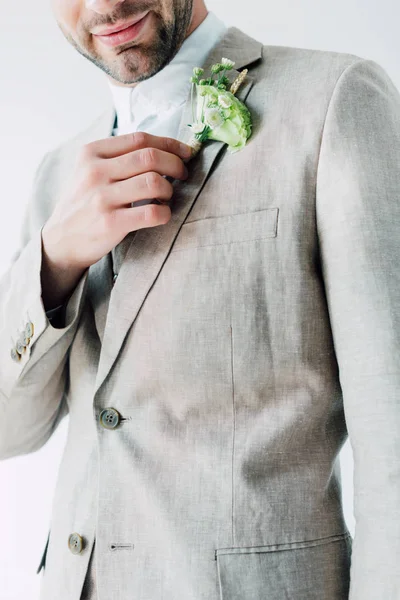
(145,251)
(99,290)
(100,273)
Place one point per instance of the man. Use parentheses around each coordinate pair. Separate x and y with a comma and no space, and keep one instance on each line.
(215,349)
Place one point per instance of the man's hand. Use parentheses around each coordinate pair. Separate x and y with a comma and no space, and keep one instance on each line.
(95,212)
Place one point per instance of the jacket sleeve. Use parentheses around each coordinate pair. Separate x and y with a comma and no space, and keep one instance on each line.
(33,383)
(358,225)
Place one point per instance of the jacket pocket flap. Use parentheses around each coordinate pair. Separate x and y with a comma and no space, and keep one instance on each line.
(318,569)
(214,231)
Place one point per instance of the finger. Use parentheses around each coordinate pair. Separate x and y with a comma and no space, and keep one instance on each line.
(131,219)
(146,159)
(145,186)
(122,144)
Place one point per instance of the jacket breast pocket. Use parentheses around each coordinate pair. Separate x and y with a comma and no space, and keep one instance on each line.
(309,570)
(228,229)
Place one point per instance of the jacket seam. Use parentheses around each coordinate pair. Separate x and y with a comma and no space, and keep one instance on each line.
(354,63)
(233,436)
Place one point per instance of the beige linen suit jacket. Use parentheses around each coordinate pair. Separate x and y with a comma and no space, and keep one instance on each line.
(241,344)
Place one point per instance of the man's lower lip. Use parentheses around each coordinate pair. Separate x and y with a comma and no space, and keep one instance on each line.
(126,35)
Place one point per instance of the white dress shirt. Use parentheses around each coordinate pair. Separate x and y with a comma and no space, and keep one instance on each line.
(155,105)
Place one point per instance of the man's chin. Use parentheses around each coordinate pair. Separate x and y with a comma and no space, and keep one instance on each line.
(127,75)
(128,67)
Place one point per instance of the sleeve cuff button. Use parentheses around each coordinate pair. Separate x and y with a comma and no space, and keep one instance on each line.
(29,329)
(15,355)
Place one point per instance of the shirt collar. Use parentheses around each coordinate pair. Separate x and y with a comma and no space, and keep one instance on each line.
(169,87)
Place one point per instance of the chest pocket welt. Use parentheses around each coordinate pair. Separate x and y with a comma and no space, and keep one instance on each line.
(228,229)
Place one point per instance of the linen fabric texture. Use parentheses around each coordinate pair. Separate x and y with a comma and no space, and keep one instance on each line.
(242,343)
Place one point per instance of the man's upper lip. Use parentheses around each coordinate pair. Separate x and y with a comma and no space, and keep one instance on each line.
(115,28)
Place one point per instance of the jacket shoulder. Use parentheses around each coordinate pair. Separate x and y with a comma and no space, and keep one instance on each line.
(303,66)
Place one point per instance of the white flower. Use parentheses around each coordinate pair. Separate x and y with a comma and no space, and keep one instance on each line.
(198,127)
(213,117)
(224,101)
(227,62)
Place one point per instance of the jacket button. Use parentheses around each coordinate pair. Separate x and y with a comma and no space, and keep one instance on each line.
(25,341)
(115,277)
(29,329)
(75,543)
(15,355)
(110,418)
(19,346)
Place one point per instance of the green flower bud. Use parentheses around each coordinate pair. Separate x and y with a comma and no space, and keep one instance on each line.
(216,68)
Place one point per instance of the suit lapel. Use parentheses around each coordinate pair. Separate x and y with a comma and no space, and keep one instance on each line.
(142,253)
(100,274)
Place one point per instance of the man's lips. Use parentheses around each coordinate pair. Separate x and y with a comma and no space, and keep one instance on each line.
(123,36)
(101,31)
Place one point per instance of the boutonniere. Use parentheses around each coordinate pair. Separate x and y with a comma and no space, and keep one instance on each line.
(216,112)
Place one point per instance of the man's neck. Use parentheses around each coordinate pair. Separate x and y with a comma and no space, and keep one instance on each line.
(199,14)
